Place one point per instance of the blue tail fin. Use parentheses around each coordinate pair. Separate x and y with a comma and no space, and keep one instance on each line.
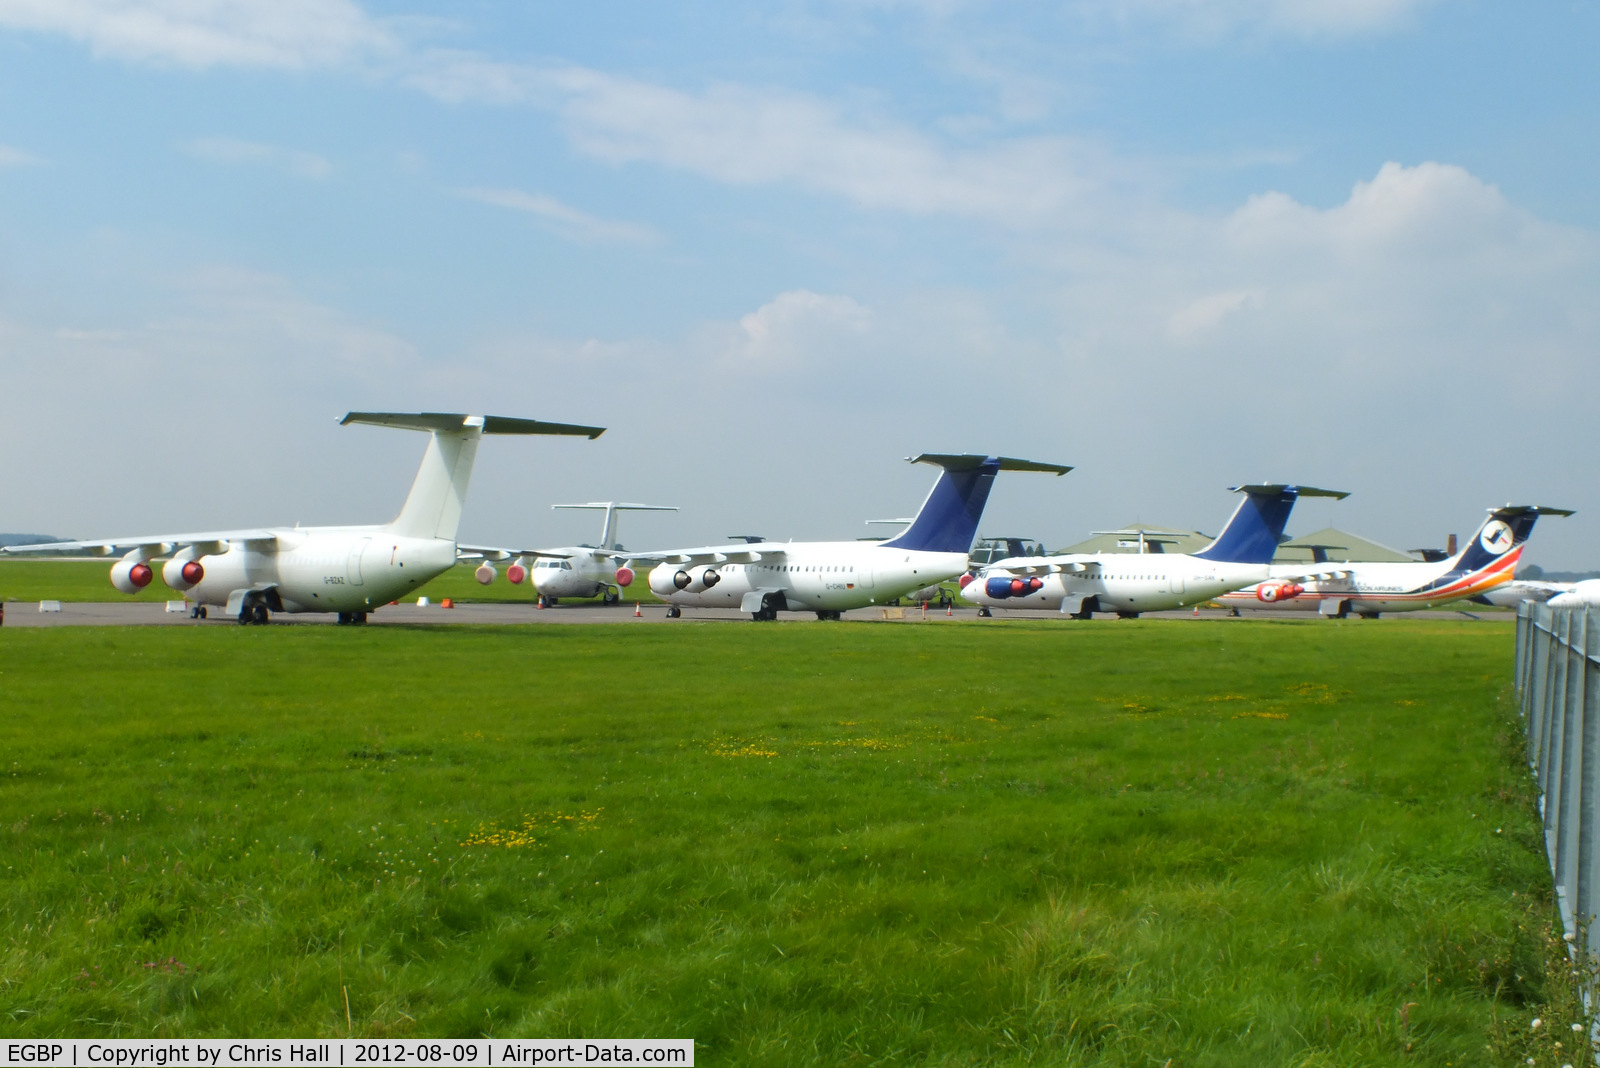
(1504,530)
(1251,536)
(948,520)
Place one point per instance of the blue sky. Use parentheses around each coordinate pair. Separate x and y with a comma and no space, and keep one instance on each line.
(1179,243)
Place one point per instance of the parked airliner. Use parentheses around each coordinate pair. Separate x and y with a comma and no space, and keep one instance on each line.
(1081,584)
(574,570)
(349,570)
(1367,589)
(830,577)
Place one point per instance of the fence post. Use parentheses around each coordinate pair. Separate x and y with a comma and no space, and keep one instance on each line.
(1538,672)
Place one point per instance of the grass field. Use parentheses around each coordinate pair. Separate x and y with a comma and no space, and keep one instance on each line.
(1139,843)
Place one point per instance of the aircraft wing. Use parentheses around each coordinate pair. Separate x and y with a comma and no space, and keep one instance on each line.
(1044,568)
(1315,576)
(213,541)
(709,555)
(491,552)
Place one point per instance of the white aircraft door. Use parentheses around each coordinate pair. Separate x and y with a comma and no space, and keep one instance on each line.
(1177,582)
(352,569)
(863,576)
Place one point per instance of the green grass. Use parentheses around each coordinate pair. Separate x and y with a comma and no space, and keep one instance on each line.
(1222,843)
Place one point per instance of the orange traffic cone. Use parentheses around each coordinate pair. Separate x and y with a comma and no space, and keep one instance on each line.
(1196,609)
(949,610)
(636,612)
(447,603)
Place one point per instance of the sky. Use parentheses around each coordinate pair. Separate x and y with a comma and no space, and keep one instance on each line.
(779,248)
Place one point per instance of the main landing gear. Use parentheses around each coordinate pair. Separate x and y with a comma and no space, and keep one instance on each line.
(827,617)
(352,619)
(254,613)
(673,611)
(197,612)
(611,596)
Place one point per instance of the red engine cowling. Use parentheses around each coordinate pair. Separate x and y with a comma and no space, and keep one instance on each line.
(624,576)
(131,576)
(515,574)
(182,574)
(965,580)
(484,574)
(1272,592)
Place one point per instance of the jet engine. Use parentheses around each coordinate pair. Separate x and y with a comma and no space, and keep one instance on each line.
(131,576)
(182,572)
(515,574)
(1272,592)
(1004,586)
(484,574)
(966,579)
(624,576)
(701,579)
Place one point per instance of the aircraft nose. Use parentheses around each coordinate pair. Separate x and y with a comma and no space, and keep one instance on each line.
(973,591)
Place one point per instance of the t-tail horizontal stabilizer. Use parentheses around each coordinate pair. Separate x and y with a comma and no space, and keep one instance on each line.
(1253,533)
(1505,529)
(433,507)
(948,520)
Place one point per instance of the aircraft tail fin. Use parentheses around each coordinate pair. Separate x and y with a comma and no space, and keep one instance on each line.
(1253,532)
(433,507)
(1505,530)
(948,519)
(608,529)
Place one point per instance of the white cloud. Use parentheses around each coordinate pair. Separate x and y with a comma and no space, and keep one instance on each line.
(289,34)
(1208,20)
(230,150)
(746,136)
(563,219)
(15,157)
(797,330)
(1206,313)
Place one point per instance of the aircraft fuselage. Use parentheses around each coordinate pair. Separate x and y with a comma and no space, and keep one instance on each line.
(812,576)
(323,569)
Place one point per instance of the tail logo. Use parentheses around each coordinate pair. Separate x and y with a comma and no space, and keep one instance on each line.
(1496,537)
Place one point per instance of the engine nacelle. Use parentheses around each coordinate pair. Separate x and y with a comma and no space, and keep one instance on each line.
(182,573)
(966,580)
(701,579)
(1002,586)
(484,574)
(516,574)
(663,580)
(624,576)
(131,576)
(1272,592)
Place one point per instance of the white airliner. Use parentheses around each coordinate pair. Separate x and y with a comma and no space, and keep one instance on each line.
(348,570)
(1516,591)
(1081,584)
(1585,594)
(575,570)
(830,577)
(1366,589)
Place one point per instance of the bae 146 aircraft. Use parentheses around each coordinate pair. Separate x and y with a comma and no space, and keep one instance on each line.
(574,570)
(830,577)
(1367,589)
(1081,584)
(349,570)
